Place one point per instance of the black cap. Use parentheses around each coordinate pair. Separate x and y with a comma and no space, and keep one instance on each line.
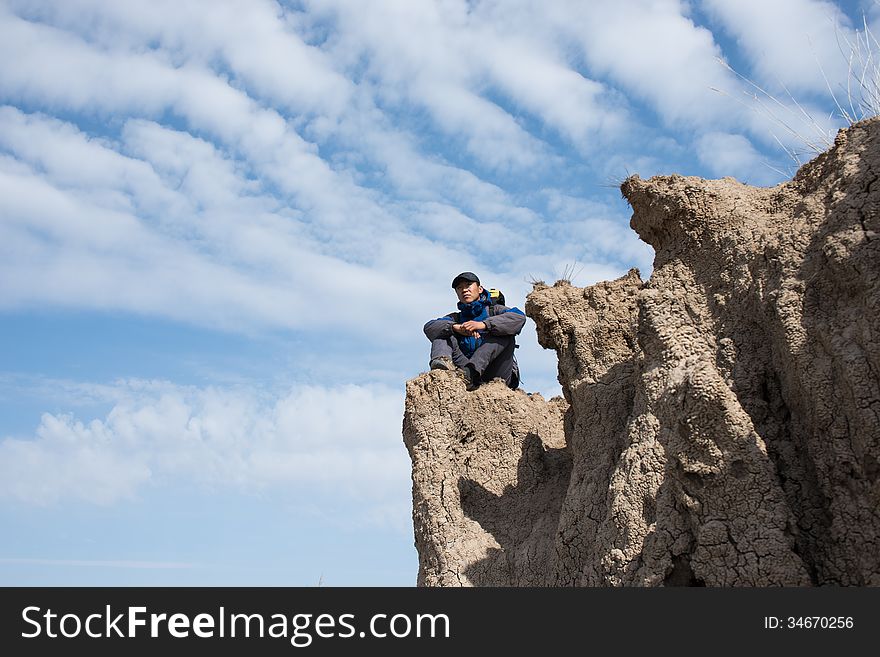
(466,276)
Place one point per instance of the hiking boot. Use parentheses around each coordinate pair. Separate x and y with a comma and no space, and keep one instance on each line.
(442,363)
(471,377)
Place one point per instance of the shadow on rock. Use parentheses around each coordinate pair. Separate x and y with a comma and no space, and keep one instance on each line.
(523,519)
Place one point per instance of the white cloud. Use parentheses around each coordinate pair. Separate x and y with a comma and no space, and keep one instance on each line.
(193,224)
(448,56)
(182,232)
(345,439)
(581,109)
(789,42)
(799,83)
(179,45)
(428,55)
(653,50)
(445,57)
(68,460)
(597,231)
(726,154)
(57,68)
(67,251)
(166,223)
(282,69)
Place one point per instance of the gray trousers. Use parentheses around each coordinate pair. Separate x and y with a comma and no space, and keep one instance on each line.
(492,359)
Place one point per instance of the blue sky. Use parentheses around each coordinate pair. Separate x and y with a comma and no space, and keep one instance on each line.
(223,224)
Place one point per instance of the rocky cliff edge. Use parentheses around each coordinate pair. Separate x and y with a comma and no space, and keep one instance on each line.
(721,420)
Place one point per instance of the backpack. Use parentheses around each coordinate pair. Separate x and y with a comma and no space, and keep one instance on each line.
(495,296)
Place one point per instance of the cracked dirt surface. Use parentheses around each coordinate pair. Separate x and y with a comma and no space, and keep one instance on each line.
(721,421)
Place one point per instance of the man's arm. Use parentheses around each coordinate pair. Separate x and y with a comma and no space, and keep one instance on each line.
(507,321)
(440,327)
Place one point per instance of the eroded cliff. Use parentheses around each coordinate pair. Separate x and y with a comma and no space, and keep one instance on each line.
(721,421)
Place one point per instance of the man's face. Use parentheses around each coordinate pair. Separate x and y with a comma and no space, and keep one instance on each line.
(468,291)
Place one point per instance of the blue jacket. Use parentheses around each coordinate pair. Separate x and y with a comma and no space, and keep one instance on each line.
(499,320)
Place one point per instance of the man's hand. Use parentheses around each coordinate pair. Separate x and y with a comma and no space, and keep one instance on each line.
(473,326)
(469,329)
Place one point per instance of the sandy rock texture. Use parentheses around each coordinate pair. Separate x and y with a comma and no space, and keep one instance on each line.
(721,425)
(490,471)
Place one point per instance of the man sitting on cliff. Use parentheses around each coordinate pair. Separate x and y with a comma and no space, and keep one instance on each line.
(479,339)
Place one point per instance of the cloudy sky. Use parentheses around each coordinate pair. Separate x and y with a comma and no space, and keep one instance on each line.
(223,224)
